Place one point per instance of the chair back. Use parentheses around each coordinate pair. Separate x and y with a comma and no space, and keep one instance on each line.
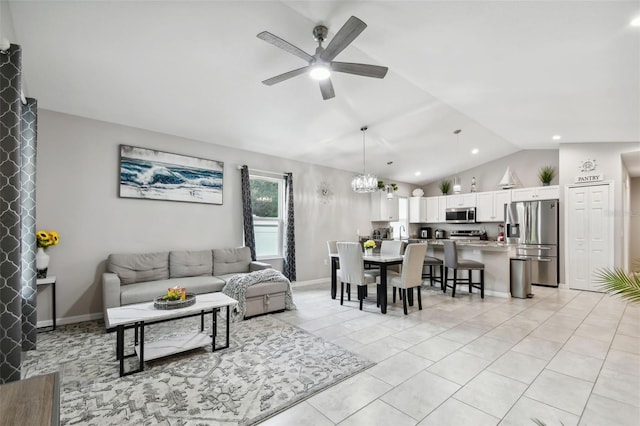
(450,254)
(351,263)
(391,248)
(333,248)
(412,265)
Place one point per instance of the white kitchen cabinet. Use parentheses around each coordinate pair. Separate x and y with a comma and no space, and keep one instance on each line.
(490,205)
(442,209)
(433,210)
(384,209)
(418,210)
(536,193)
(461,200)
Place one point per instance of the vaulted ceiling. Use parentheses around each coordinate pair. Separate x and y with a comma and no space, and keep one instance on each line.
(509,74)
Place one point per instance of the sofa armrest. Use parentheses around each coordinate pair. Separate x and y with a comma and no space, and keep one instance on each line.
(256,266)
(110,291)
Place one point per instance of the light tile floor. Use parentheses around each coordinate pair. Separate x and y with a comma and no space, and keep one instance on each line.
(563,357)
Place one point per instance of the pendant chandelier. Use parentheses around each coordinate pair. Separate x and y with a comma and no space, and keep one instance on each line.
(364,182)
(457,188)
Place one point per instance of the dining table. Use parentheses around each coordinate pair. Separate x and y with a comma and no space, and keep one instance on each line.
(382,261)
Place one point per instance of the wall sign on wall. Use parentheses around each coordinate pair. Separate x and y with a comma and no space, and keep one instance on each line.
(157,175)
(588,167)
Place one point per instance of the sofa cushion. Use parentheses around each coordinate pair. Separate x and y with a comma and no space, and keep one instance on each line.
(147,291)
(229,261)
(225,277)
(136,268)
(190,263)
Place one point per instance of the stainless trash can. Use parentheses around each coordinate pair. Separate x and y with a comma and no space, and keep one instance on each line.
(520,277)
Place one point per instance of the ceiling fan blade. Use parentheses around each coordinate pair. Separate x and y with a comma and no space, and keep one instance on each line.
(365,70)
(349,31)
(287,75)
(284,45)
(326,88)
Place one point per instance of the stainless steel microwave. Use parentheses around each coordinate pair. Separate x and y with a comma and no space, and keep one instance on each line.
(461,215)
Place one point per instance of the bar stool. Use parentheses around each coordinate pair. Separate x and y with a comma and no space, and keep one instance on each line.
(428,269)
(451,261)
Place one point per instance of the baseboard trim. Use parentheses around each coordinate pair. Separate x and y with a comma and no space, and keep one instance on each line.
(310,282)
(70,320)
(497,294)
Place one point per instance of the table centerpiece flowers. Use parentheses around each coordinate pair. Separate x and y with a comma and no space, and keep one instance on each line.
(44,240)
(369,245)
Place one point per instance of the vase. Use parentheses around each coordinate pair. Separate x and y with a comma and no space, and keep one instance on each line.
(42,263)
(545,183)
(368,252)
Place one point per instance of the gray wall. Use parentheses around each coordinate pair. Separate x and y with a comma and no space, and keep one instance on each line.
(525,164)
(78,177)
(6,23)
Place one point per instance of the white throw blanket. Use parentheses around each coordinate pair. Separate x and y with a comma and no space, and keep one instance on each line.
(236,287)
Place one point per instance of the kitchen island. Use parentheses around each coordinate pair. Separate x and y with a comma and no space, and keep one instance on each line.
(495,256)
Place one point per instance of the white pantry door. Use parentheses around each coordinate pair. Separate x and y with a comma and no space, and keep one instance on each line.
(589,222)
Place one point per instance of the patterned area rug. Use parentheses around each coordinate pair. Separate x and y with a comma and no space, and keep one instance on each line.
(269,366)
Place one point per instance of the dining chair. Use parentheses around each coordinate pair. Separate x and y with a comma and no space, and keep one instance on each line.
(333,249)
(452,261)
(352,270)
(411,275)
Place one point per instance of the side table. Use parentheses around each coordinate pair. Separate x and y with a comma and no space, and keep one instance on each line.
(52,282)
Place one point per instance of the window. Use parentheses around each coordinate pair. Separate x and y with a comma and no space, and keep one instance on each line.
(403,219)
(267,201)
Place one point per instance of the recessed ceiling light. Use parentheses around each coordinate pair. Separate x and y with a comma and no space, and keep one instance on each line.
(635,22)
(556,137)
(475,151)
(418,173)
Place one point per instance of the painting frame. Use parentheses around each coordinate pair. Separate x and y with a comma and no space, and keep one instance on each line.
(152,174)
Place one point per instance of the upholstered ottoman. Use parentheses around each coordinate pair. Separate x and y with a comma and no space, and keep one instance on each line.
(265,297)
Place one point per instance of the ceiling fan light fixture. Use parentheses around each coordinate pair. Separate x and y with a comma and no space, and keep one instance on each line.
(320,72)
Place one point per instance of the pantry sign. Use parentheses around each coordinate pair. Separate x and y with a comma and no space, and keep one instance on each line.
(589,178)
(588,169)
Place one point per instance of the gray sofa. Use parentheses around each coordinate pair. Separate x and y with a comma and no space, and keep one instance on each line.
(135,278)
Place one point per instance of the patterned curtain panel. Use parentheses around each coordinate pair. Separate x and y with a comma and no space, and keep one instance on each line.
(290,236)
(247,212)
(29,131)
(10,212)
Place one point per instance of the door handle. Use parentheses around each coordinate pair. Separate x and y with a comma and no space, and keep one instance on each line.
(541,259)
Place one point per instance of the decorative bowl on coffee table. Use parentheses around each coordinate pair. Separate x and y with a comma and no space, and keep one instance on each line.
(160,303)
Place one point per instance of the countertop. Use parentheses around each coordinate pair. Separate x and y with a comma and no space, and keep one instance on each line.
(476,244)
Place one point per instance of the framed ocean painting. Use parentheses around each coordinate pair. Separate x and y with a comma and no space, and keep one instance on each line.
(157,175)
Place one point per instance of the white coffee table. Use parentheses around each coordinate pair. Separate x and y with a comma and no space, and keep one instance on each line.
(138,315)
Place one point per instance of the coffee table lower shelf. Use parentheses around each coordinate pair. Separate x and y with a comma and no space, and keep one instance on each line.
(172,346)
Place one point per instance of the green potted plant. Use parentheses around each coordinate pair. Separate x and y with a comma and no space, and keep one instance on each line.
(546,175)
(445,186)
(617,282)
(382,185)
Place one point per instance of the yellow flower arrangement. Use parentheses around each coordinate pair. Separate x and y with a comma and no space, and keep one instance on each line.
(47,238)
(370,244)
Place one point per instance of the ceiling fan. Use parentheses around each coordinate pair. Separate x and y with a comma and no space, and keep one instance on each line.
(321,63)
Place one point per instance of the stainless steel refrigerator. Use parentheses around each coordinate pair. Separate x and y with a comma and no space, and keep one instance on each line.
(533,226)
